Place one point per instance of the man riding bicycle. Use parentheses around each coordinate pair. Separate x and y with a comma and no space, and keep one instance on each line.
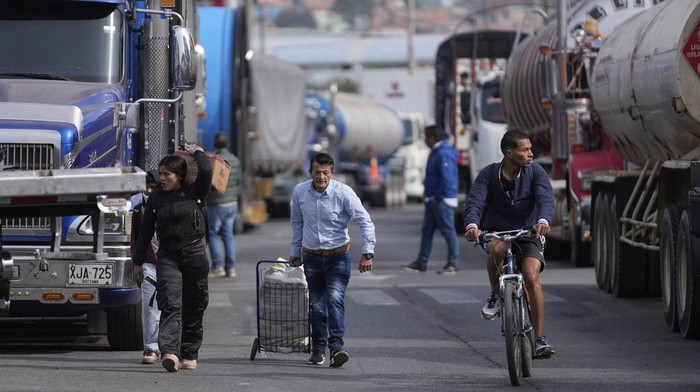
(513,194)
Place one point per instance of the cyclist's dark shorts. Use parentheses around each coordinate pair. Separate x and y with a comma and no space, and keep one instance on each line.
(528,247)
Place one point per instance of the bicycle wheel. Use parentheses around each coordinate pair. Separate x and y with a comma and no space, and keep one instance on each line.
(512,333)
(527,350)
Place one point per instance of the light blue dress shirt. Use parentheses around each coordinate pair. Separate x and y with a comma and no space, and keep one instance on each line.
(320,220)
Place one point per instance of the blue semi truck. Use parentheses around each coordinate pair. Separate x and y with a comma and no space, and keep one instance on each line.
(87,86)
(258,101)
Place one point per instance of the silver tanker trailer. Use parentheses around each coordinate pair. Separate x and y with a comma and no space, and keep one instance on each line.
(645,90)
(546,93)
(362,136)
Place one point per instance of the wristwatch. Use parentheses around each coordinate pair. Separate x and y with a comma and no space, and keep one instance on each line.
(369,256)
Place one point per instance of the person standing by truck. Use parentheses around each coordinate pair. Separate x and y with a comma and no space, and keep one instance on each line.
(145,276)
(440,193)
(221,213)
(175,211)
(321,209)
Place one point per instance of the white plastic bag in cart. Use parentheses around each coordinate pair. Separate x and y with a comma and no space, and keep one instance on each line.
(284,273)
(284,309)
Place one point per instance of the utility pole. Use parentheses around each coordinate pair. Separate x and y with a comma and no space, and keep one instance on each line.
(411,33)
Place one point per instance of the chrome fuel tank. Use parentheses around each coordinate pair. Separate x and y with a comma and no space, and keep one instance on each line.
(646,85)
(524,85)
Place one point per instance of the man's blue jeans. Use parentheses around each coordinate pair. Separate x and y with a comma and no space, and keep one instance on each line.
(221,218)
(327,277)
(438,215)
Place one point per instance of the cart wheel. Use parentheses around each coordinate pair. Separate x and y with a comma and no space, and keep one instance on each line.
(254,350)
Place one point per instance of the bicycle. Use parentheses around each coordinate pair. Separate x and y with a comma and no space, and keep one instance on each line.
(516,323)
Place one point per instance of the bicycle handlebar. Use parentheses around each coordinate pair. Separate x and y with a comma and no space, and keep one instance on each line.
(507,235)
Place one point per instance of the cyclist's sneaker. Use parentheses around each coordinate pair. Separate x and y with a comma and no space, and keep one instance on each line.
(338,358)
(542,349)
(492,307)
(317,358)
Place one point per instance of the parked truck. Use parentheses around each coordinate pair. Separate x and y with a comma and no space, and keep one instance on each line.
(258,101)
(470,108)
(95,87)
(554,106)
(414,153)
(363,136)
(622,88)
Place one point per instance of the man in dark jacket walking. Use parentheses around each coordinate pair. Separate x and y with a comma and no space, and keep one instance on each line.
(441,178)
(509,195)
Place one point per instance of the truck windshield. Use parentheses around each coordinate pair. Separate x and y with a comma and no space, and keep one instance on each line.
(492,105)
(77,41)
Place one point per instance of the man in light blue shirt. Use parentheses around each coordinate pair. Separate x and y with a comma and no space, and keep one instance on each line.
(321,209)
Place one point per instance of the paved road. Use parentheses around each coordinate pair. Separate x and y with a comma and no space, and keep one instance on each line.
(405,332)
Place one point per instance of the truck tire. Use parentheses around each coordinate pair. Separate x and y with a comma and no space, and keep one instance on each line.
(652,275)
(97,323)
(580,251)
(627,263)
(612,236)
(598,244)
(667,254)
(688,279)
(124,328)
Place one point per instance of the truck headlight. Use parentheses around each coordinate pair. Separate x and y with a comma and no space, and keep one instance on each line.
(114,224)
(584,178)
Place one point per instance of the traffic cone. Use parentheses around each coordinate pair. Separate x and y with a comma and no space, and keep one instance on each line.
(373,167)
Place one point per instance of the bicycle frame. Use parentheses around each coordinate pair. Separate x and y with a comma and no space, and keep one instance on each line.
(517,329)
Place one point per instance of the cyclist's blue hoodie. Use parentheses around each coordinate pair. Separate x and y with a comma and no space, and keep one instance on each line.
(441,176)
(491,209)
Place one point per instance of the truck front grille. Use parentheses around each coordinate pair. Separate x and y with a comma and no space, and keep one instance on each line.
(16,156)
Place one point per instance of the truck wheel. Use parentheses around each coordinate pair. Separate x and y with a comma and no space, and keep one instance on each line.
(599,245)
(97,323)
(688,279)
(124,328)
(652,275)
(667,253)
(627,263)
(612,234)
(580,251)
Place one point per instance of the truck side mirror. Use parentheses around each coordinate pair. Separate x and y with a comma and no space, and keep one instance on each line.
(183,60)
(201,90)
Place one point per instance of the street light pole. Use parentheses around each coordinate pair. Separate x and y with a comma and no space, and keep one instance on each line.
(411,34)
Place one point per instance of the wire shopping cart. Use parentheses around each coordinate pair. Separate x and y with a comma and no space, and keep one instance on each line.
(282,309)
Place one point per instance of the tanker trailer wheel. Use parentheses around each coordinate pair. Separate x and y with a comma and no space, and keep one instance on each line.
(627,263)
(124,328)
(599,241)
(580,250)
(612,235)
(667,253)
(688,279)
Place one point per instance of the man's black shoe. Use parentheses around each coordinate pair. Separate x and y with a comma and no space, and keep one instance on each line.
(317,358)
(338,358)
(415,267)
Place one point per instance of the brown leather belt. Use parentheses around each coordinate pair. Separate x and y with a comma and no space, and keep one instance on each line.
(328,252)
